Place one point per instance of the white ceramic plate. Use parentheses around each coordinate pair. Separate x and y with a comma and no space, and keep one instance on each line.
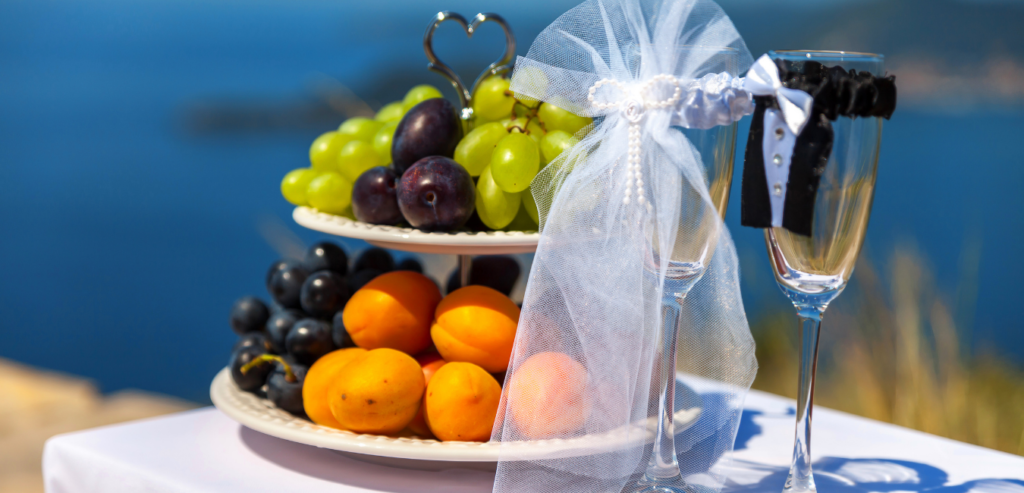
(261,415)
(414,240)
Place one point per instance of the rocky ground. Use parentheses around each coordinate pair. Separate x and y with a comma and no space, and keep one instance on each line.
(37,405)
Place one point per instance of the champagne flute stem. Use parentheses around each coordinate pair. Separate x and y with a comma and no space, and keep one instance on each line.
(663,464)
(801,478)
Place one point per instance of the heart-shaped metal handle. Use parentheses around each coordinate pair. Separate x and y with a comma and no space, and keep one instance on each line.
(500,66)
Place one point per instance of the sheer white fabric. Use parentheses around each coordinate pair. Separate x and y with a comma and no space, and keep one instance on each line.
(620,213)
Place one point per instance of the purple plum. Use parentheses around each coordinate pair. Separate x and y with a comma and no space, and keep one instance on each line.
(436,194)
(431,128)
(375,198)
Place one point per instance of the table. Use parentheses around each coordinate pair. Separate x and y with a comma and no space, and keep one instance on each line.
(203,451)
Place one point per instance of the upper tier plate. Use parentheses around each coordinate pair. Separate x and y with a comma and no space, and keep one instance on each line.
(414,240)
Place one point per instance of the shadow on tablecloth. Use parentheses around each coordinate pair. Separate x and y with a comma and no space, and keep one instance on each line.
(840,475)
(335,468)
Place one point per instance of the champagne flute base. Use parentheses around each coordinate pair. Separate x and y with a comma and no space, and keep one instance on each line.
(661,485)
(799,485)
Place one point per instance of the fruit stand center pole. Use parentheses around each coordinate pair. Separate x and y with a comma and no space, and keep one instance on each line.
(465,264)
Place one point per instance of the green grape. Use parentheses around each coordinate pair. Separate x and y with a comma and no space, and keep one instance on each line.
(531,126)
(556,118)
(554,143)
(330,193)
(531,206)
(534,79)
(475,149)
(355,158)
(523,221)
(391,112)
(515,162)
(360,128)
(419,94)
(295,183)
(382,141)
(323,154)
(492,99)
(495,207)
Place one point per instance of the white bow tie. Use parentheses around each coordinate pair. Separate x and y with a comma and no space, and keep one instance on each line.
(763,80)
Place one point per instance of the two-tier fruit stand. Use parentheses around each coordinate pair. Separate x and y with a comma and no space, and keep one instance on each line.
(413,452)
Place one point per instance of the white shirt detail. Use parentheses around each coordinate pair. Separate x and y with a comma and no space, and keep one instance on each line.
(778,154)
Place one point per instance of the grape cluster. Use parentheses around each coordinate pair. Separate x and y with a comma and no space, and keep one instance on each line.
(278,343)
(411,163)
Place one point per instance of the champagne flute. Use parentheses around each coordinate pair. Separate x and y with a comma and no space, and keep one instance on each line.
(689,260)
(812,271)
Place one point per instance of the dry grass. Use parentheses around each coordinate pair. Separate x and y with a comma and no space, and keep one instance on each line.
(892,351)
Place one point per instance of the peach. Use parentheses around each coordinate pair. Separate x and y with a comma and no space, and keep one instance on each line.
(379,392)
(319,378)
(430,362)
(394,311)
(547,396)
(461,402)
(476,324)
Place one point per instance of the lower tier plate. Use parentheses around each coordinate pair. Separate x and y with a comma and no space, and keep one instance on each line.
(417,453)
(414,240)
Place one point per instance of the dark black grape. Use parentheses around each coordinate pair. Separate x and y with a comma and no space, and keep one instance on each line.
(410,264)
(279,266)
(284,394)
(376,259)
(278,327)
(436,194)
(255,377)
(497,272)
(339,334)
(286,285)
(431,128)
(248,314)
(326,256)
(359,279)
(323,294)
(375,198)
(256,339)
(308,340)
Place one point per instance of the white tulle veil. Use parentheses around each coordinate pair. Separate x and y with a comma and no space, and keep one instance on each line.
(611,207)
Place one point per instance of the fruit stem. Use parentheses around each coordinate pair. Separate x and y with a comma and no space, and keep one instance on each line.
(289,375)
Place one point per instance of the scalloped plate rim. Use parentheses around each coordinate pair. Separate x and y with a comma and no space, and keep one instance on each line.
(517,241)
(262,416)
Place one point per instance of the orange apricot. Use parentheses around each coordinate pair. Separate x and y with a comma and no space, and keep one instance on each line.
(461,402)
(319,378)
(476,324)
(378,392)
(430,363)
(393,311)
(547,396)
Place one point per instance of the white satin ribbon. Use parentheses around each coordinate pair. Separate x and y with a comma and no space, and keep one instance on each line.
(763,80)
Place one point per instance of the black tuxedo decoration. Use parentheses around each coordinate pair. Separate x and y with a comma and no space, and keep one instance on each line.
(836,93)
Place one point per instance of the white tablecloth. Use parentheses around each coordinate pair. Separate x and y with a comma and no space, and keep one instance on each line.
(204,451)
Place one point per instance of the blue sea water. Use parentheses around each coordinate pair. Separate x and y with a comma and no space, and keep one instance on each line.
(124,238)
